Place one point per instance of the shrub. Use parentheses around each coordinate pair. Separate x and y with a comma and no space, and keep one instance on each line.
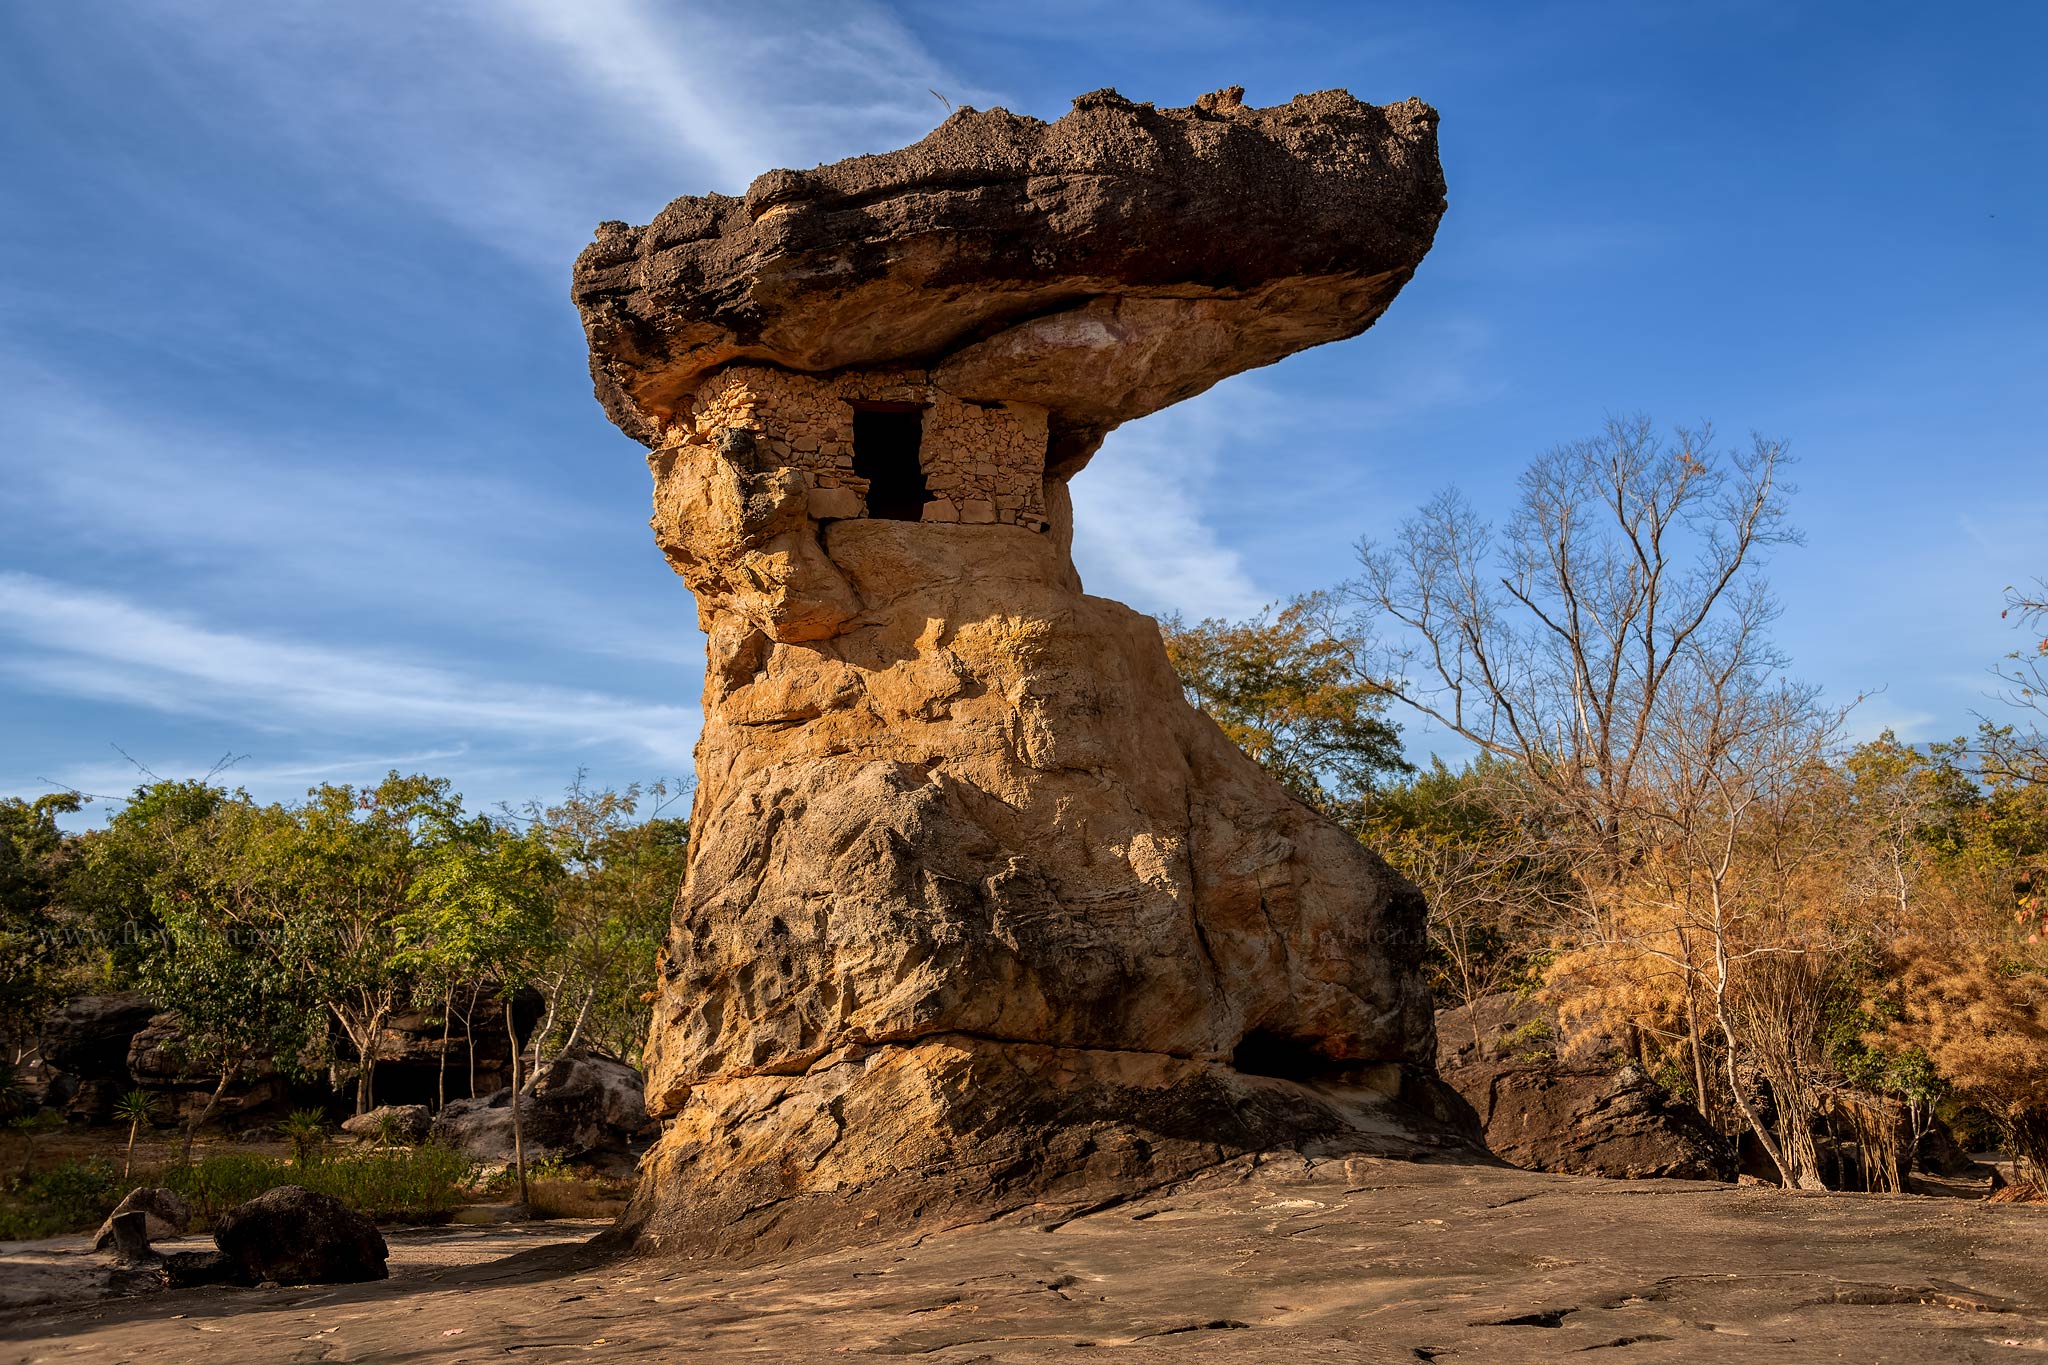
(72,1196)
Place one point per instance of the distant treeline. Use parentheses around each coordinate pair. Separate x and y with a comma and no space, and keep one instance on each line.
(291,934)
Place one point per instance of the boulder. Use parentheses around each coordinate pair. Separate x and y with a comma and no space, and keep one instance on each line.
(407,1124)
(187,1269)
(164,1215)
(292,1235)
(585,1100)
(482,1128)
(1592,1115)
(582,1102)
(158,1061)
(958,836)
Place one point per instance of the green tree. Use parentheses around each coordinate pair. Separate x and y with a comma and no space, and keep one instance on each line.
(483,904)
(1291,689)
(228,955)
(350,865)
(34,951)
(110,892)
(1494,898)
(622,873)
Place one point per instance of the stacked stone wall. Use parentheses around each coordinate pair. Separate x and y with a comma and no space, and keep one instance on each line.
(982,462)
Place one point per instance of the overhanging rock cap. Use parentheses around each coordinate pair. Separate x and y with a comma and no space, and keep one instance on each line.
(1103,266)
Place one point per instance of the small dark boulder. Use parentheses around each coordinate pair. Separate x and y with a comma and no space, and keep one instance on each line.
(292,1235)
(185,1269)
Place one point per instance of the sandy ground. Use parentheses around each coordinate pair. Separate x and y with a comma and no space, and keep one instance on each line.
(1354,1261)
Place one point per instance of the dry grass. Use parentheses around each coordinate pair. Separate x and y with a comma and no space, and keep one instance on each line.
(569,1197)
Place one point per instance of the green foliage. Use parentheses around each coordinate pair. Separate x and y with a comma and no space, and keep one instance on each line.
(482,904)
(306,1130)
(621,874)
(1534,1041)
(227,953)
(33,864)
(1293,692)
(74,1196)
(136,1107)
(418,1184)
(110,894)
(1492,892)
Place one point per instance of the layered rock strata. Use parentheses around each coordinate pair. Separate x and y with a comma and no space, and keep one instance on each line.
(980,913)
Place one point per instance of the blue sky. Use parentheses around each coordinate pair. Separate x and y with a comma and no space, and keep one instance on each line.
(298,458)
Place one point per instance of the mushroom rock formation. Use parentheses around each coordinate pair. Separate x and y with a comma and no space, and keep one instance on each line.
(980,913)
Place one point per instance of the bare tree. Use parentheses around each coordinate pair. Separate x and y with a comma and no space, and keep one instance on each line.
(2009,753)
(1610,645)
(1629,562)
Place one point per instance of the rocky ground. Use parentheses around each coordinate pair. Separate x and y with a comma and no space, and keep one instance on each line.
(1363,1260)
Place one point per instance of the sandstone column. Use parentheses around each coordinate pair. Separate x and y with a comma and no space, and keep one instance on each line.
(980,913)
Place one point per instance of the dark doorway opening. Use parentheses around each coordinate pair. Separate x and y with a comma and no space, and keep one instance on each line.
(886,437)
(1265,1053)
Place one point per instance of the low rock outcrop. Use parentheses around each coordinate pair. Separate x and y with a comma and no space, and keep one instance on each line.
(582,1102)
(407,1124)
(1599,1116)
(979,911)
(163,1211)
(293,1235)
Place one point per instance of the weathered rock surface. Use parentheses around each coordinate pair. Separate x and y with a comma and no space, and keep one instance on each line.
(88,1035)
(293,1235)
(582,1102)
(164,1215)
(402,1123)
(83,1066)
(979,910)
(1596,1116)
(1104,266)
(1380,1262)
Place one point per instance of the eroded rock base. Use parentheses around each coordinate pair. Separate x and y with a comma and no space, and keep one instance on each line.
(957,1129)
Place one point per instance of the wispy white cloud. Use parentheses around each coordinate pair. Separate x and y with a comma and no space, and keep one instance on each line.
(330,523)
(522,122)
(1140,531)
(77,642)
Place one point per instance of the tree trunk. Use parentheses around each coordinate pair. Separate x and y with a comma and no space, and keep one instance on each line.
(227,1076)
(576,1030)
(447,1027)
(128,1159)
(469,1033)
(518,1139)
(547,1025)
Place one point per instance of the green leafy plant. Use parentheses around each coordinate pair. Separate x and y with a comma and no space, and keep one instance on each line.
(306,1130)
(418,1184)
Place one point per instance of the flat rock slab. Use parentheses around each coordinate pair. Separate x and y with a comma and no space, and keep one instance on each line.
(1361,1260)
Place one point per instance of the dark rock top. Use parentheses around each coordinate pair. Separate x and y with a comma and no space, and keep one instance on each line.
(1105,265)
